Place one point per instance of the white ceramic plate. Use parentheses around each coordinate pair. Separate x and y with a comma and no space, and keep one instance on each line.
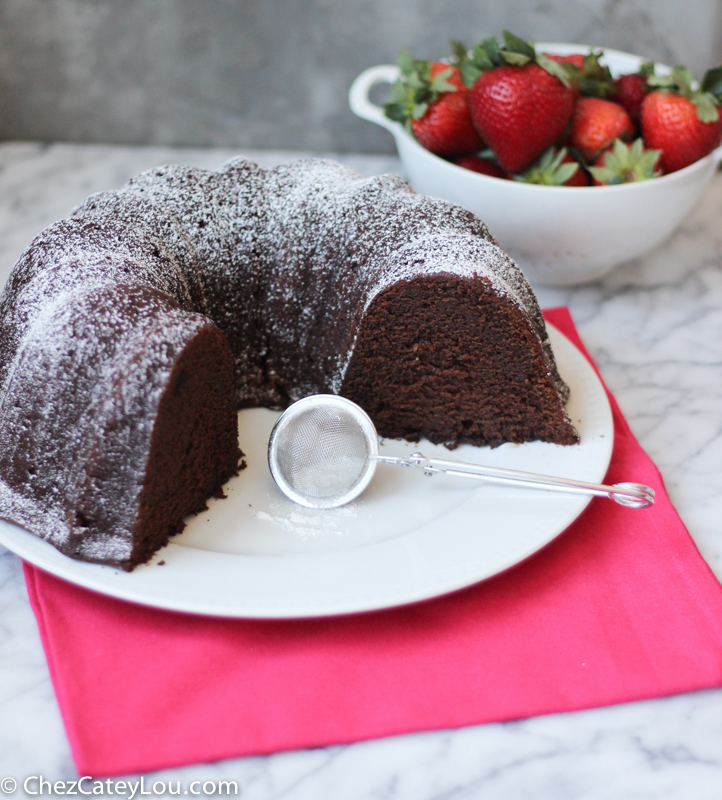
(407,538)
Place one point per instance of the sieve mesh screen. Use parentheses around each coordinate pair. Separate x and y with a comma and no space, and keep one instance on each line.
(322,452)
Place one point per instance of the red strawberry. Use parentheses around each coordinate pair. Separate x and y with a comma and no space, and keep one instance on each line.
(482,165)
(432,102)
(520,112)
(520,101)
(447,128)
(624,163)
(670,123)
(596,124)
(630,92)
(684,123)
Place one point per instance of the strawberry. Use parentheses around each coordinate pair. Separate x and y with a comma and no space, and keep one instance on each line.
(596,124)
(482,165)
(432,102)
(554,169)
(684,123)
(587,75)
(630,91)
(624,163)
(520,101)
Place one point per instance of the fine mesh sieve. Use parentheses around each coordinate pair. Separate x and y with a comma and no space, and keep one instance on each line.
(323,452)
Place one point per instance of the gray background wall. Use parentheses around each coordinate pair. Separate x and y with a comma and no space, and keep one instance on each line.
(274,73)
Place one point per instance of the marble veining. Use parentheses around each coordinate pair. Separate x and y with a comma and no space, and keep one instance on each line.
(654,327)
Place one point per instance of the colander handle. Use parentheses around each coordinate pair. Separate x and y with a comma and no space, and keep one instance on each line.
(358,96)
(632,495)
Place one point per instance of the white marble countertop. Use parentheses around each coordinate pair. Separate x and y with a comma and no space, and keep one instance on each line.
(654,327)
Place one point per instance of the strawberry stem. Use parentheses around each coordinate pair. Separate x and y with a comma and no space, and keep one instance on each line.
(488,55)
(415,89)
(627,164)
(549,170)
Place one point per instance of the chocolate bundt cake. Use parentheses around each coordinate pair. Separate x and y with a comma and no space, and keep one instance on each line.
(132,331)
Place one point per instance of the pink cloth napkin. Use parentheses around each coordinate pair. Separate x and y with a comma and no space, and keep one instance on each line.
(620,607)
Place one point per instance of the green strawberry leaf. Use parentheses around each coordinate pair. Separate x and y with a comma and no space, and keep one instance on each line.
(513,44)
(406,62)
(469,73)
(591,79)
(684,79)
(591,61)
(397,93)
(706,105)
(627,164)
(486,55)
(400,106)
(679,81)
(415,90)
(550,160)
(634,152)
(595,79)
(483,57)
(647,163)
(662,82)
(440,84)
(395,112)
(490,46)
(557,69)
(549,169)
(460,52)
(712,82)
(588,87)
(514,59)
(419,110)
(564,172)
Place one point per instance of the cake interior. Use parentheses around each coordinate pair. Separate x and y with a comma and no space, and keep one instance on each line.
(450,360)
(194,447)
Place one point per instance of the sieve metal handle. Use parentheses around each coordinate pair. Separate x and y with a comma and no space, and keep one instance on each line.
(631,495)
